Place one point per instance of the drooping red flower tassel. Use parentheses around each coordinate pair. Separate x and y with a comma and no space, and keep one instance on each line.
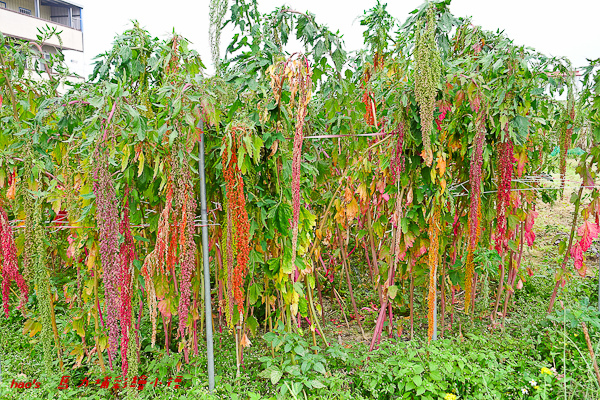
(10,266)
(506,161)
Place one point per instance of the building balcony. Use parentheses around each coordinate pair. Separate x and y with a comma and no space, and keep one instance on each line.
(21,19)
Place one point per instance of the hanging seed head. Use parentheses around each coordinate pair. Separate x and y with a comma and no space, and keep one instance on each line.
(428,71)
(10,266)
(475,176)
(433,257)
(302,75)
(236,206)
(506,161)
(397,161)
(188,253)
(107,217)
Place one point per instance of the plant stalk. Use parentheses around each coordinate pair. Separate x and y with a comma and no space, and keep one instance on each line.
(567,251)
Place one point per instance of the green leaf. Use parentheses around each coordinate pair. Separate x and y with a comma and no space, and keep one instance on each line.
(252,323)
(301,351)
(258,145)
(417,380)
(287,266)
(339,57)
(299,288)
(574,197)
(303,307)
(319,50)
(319,368)
(275,375)
(562,246)
(316,384)
(172,137)
(254,293)
(283,214)
(392,291)
(522,126)
(141,239)
(435,375)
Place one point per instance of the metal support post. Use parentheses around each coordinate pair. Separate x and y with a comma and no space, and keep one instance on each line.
(207,300)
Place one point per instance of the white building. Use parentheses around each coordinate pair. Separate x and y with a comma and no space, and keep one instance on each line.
(20,19)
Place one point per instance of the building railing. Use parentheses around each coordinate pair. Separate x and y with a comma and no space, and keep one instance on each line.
(65,21)
(23,26)
(74,22)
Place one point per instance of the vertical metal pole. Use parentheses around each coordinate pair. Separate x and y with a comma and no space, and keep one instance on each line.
(204,223)
(70,17)
(37,8)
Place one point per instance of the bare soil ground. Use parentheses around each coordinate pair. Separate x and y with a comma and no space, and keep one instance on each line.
(554,223)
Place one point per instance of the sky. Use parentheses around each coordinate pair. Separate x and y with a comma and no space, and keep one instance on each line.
(554,27)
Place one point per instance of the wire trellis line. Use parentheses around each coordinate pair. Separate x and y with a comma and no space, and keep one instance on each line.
(463,190)
(17,224)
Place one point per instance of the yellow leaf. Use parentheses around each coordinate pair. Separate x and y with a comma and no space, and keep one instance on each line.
(28,325)
(141,164)
(125,158)
(88,290)
(103,342)
(294,305)
(79,327)
(348,195)
(362,192)
(56,206)
(92,257)
(352,210)
(78,349)
(35,329)
(441,164)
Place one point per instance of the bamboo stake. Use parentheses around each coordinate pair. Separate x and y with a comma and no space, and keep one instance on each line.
(237,349)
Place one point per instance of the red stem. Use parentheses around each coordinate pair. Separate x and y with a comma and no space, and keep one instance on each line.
(112,111)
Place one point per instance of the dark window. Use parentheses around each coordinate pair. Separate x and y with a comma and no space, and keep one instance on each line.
(25,11)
